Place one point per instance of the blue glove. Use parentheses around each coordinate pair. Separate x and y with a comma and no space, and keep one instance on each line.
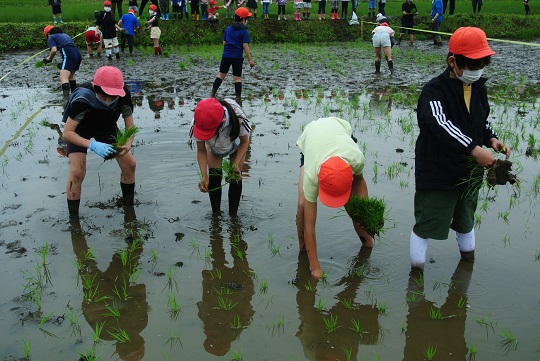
(102,149)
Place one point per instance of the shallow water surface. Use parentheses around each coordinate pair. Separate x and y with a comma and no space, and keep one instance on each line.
(165,280)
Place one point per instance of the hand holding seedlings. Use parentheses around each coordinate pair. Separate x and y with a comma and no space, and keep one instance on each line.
(483,157)
(500,147)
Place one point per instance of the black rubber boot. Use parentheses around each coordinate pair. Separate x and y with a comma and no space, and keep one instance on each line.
(72,85)
(215,86)
(214,189)
(391,66)
(65,91)
(73,209)
(235,193)
(128,194)
(377,66)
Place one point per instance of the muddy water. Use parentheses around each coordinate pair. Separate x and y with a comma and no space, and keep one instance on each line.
(206,288)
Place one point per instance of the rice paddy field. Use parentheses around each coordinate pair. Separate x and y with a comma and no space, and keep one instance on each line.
(164,280)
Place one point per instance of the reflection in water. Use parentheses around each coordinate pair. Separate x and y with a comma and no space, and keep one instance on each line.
(111,299)
(225,308)
(447,334)
(342,344)
(381,99)
(156,104)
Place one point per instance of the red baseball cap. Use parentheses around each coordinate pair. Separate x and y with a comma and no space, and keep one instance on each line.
(470,42)
(335,182)
(47,29)
(212,2)
(243,13)
(208,116)
(110,80)
(107,3)
(153,7)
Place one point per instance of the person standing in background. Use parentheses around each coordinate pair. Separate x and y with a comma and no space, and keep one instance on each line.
(436,20)
(117,5)
(128,25)
(408,9)
(527,8)
(477,4)
(56,6)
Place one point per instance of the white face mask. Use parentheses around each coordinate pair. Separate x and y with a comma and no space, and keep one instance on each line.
(111,104)
(107,9)
(151,12)
(470,76)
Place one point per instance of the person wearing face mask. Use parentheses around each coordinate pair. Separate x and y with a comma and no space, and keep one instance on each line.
(221,129)
(452,115)
(153,26)
(91,116)
(108,26)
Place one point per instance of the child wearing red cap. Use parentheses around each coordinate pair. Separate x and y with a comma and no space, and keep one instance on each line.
(153,26)
(452,115)
(218,125)
(93,38)
(213,15)
(107,24)
(235,43)
(71,57)
(91,116)
(331,168)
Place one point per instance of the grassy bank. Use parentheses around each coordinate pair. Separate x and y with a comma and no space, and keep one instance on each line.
(26,36)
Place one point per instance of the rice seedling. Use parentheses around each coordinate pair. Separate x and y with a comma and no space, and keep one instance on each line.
(472,353)
(89,254)
(90,287)
(96,332)
(382,308)
(263,286)
(537,256)
(46,273)
(44,320)
(74,324)
(153,256)
(309,287)
(236,355)
(429,352)
(330,323)
(278,326)
(174,307)
(509,341)
(486,322)
(135,272)
(89,355)
(195,246)
(236,324)
(119,335)
(435,313)
(319,306)
(368,212)
(121,138)
(121,293)
(462,302)
(274,249)
(504,216)
(348,353)
(171,281)
(225,303)
(357,327)
(347,303)
(231,172)
(215,274)
(113,310)
(239,251)
(26,349)
(174,339)
(369,293)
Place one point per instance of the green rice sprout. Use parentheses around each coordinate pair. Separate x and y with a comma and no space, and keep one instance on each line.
(357,327)
(236,324)
(509,341)
(370,213)
(232,174)
(429,352)
(472,353)
(26,349)
(119,335)
(331,323)
(121,138)
(96,333)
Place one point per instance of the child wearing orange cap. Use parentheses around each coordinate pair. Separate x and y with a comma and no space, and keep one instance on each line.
(452,115)
(221,129)
(235,43)
(71,57)
(331,168)
(91,116)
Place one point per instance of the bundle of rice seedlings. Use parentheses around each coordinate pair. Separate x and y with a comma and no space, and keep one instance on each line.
(121,138)
(232,174)
(369,212)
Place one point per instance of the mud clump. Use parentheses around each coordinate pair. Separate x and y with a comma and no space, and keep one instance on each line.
(500,173)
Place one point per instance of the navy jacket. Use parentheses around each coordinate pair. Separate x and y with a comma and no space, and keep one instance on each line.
(448,133)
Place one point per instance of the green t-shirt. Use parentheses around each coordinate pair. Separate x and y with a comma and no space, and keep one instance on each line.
(324,138)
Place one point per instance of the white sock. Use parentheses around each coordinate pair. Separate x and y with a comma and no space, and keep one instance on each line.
(466,241)
(418,250)
(108,51)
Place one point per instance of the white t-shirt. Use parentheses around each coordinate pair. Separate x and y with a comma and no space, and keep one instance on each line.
(324,138)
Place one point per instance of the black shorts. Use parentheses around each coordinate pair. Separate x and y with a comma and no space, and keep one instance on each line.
(101,135)
(407,31)
(56,9)
(236,63)
(252,4)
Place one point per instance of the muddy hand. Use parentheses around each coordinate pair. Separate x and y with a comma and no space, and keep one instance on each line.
(500,147)
(203,186)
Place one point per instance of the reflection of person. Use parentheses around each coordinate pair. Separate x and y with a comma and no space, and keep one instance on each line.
(113,289)
(382,35)
(56,7)
(153,25)
(92,113)
(156,104)
(331,169)
(408,9)
(217,124)
(447,333)
(232,285)
(71,57)
(93,38)
(437,11)
(235,43)
(452,115)
(107,24)
(312,325)
(128,24)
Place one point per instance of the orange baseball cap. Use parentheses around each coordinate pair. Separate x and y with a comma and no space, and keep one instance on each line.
(470,42)
(335,182)
(208,116)
(47,29)
(110,80)
(107,3)
(153,7)
(243,13)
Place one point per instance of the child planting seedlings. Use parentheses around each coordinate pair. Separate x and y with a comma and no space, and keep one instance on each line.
(221,129)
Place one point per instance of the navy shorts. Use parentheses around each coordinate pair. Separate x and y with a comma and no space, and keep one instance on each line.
(56,9)
(236,63)
(101,135)
(71,59)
